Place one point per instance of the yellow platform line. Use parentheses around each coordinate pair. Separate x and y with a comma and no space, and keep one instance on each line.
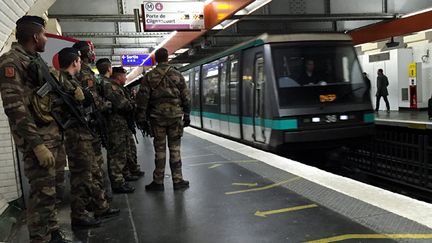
(284,210)
(264,187)
(372,236)
(245,184)
(225,162)
(214,166)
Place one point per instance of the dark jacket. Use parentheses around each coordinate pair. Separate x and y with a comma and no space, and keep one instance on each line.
(382,83)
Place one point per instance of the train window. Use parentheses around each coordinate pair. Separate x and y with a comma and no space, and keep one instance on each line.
(223,89)
(233,84)
(210,83)
(317,68)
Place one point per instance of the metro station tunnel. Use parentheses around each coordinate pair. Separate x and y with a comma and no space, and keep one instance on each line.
(215,121)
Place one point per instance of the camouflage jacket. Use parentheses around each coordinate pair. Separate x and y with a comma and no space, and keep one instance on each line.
(17,91)
(88,80)
(70,83)
(121,104)
(163,94)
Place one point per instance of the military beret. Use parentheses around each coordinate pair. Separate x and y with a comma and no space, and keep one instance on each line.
(80,45)
(67,55)
(118,70)
(29,19)
(103,60)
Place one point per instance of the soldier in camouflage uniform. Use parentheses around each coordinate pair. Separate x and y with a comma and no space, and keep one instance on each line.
(118,131)
(36,134)
(98,202)
(131,170)
(164,98)
(78,142)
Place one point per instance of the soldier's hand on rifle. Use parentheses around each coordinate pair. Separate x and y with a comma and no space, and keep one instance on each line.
(45,157)
(79,94)
(186,120)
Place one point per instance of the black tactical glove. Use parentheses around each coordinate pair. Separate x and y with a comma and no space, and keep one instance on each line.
(186,120)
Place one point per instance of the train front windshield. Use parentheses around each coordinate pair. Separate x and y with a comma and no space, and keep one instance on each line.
(316,74)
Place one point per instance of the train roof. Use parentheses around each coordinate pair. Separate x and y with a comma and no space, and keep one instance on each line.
(266,38)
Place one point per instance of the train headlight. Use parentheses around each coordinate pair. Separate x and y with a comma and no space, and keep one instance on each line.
(343,117)
(316,119)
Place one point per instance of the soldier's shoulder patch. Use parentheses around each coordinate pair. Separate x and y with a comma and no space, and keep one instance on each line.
(9,72)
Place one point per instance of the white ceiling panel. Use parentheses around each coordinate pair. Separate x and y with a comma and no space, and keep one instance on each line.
(87,26)
(84,7)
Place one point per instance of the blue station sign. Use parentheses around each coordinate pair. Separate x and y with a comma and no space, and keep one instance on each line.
(136,60)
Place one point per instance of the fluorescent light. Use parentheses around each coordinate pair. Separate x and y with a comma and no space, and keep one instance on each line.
(245,11)
(182,50)
(343,117)
(417,12)
(316,119)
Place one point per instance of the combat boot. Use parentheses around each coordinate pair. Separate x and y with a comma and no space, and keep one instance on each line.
(88,222)
(155,187)
(57,236)
(110,212)
(125,188)
(183,184)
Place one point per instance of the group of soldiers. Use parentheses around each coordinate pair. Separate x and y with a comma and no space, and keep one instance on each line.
(71,115)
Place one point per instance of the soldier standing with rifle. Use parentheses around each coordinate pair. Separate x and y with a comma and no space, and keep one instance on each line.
(79,148)
(35,132)
(87,80)
(120,137)
(164,98)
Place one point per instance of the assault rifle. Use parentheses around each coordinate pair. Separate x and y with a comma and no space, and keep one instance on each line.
(52,85)
(97,120)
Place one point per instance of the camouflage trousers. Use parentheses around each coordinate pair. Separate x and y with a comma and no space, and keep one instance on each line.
(79,152)
(60,174)
(131,165)
(41,209)
(117,154)
(99,199)
(173,130)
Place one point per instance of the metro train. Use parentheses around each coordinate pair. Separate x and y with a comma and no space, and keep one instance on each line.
(279,92)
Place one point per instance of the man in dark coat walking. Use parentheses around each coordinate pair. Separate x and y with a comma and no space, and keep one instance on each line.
(382,83)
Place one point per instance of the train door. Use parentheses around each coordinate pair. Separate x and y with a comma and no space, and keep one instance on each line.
(258,97)
(233,92)
(224,102)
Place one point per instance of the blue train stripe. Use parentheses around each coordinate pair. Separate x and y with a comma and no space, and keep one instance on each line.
(284,124)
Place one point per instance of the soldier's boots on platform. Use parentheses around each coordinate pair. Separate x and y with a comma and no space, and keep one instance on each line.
(88,222)
(125,188)
(110,212)
(58,237)
(155,187)
(183,184)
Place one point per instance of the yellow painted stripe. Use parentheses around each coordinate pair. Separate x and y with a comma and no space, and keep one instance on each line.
(245,184)
(225,162)
(284,210)
(372,236)
(214,166)
(264,187)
